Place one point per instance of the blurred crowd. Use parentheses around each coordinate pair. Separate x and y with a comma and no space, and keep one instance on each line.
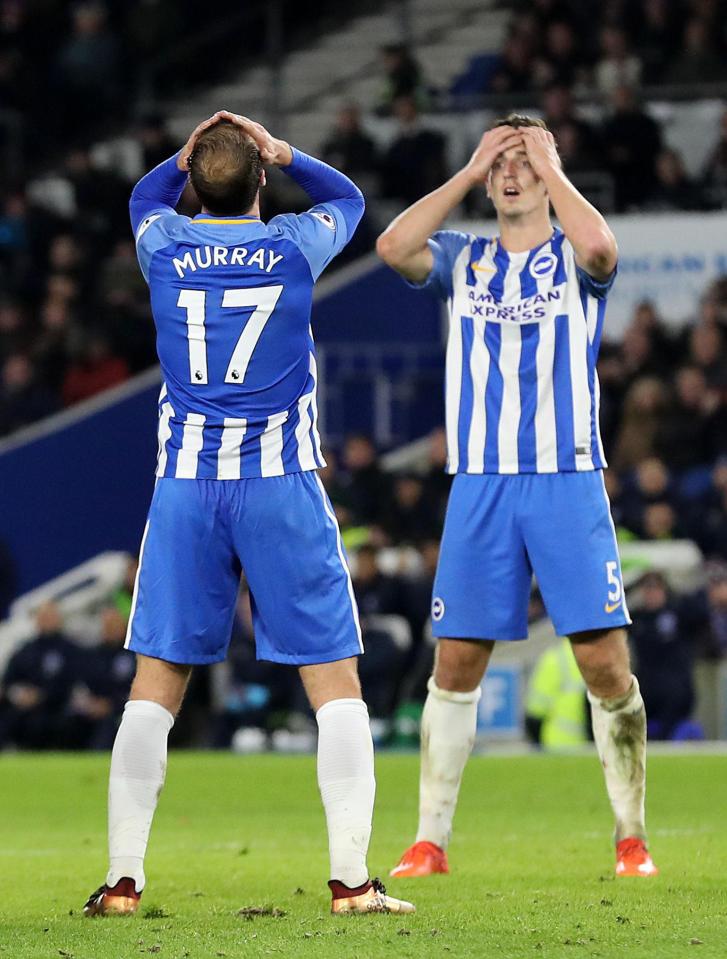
(594,47)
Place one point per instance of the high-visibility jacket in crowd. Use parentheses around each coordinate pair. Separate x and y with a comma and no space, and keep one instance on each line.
(557,696)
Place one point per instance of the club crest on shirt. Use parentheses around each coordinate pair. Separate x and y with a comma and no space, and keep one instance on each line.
(326,219)
(543,266)
(437,609)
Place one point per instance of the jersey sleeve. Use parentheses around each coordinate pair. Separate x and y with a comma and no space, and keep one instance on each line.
(598,288)
(152,234)
(320,233)
(446,246)
(326,228)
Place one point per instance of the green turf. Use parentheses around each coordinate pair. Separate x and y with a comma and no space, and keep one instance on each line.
(531,858)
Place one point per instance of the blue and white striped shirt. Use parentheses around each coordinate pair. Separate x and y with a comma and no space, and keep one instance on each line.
(231,299)
(522,393)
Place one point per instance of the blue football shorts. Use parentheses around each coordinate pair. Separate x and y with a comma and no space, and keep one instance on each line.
(281,530)
(500,529)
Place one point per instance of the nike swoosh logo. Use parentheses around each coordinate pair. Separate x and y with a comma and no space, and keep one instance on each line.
(610,607)
(483,269)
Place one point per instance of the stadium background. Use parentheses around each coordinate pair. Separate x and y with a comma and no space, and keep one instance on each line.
(396,95)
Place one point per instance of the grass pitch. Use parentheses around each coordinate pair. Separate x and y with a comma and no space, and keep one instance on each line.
(531,859)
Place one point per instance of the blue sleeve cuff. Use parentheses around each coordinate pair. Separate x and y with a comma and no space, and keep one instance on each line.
(159,190)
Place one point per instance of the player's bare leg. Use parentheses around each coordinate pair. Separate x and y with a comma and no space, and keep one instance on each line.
(138,768)
(449,723)
(619,729)
(347,784)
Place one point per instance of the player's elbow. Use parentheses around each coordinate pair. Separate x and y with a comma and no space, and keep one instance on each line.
(601,253)
(388,249)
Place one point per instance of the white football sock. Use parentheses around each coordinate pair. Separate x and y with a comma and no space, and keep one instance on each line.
(347,784)
(138,767)
(449,724)
(619,728)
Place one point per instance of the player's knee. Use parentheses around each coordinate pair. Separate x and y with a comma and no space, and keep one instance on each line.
(160,682)
(460,664)
(603,659)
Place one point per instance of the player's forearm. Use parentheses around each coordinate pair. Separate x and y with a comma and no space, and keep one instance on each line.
(593,242)
(323,184)
(407,235)
(161,188)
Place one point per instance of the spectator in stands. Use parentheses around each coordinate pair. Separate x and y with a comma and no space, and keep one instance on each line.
(650,483)
(555,711)
(658,37)
(105,674)
(377,593)
(617,66)
(155,140)
(53,343)
(351,150)
(560,61)
(414,163)
(402,77)
(706,519)
(660,522)
(672,189)
(13,236)
(37,687)
(23,397)
(711,613)
(437,482)
(255,693)
(514,72)
(561,116)
(714,173)
(408,517)
(632,141)
(123,597)
(88,68)
(380,595)
(367,488)
(699,61)
(682,439)
(661,643)
(707,352)
(97,369)
(643,412)
(8,580)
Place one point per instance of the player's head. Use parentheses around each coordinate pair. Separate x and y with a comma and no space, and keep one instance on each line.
(226,170)
(512,184)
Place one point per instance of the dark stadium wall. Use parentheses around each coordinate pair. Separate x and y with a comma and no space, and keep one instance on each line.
(375,307)
(84,488)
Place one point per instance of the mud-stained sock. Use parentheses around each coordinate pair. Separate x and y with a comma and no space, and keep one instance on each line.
(449,723)
(619,729)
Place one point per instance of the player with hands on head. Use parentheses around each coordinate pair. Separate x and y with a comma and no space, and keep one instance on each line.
(237,487)
(526,313)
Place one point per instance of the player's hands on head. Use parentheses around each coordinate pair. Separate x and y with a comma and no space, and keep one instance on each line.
(541,149)
(186,152)
(272,151)
(493,143)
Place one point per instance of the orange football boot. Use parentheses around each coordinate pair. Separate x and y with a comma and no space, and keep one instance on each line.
(119,900)
(633,859)
(421,859)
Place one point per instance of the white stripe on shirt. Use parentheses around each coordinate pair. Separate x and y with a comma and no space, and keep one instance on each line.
(192,442)
(228,456)
(510,350)
(479,369)
(271,446)
(546,447)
